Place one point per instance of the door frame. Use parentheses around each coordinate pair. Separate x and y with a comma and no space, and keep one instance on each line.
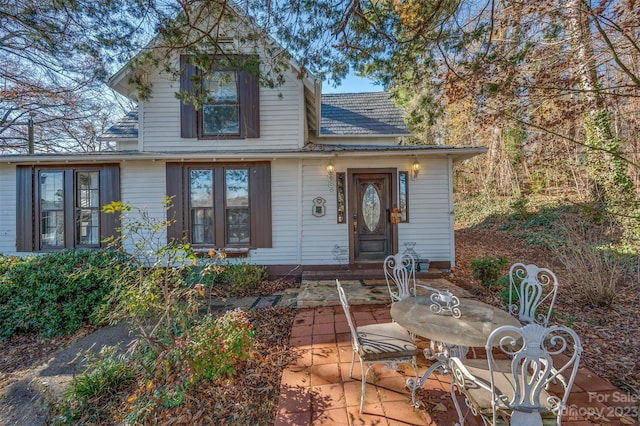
(351,201)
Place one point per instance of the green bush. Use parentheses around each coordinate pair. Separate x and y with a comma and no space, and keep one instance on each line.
(243,275)
(91,394)
(488,269)
(209,351)
(54,293)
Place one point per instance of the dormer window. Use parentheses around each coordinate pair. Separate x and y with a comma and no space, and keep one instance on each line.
(232,107)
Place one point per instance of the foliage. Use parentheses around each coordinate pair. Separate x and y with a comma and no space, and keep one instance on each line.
(594,270)
(224,278)
(54,293)
(487,269)
(211,350)
(91,394)
(521,207)
(150,291)
(56,54)
(243,275)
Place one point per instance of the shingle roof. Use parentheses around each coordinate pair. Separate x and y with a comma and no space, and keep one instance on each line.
(125,128)
(361,114)
(343,114)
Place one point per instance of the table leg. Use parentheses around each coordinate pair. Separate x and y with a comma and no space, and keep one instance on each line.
(440,352)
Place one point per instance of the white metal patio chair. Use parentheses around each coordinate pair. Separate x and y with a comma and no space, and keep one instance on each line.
(530,289)
(383,343)
(400,274)
(529,386)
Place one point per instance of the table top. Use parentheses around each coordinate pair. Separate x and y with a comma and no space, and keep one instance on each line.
(472,329)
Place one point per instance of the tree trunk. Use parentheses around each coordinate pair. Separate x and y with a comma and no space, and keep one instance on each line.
(611,182)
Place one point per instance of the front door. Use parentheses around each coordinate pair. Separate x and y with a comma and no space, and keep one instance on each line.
(371,201)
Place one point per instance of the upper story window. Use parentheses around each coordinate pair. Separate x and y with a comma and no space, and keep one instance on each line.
(221,111)
(231,109)
(59,207)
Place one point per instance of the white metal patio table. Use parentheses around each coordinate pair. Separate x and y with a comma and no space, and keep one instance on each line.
(449,335)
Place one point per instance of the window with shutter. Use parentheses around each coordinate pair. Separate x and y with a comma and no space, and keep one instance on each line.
(231,109)
(60,207)
(220,205)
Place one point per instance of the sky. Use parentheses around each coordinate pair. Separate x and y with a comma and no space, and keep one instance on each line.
(352,84)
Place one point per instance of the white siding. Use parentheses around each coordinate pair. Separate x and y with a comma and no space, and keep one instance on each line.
(143,186)
(281,120)
(285,204)
(429,223)
(430,214)
(298,236)
(8,211)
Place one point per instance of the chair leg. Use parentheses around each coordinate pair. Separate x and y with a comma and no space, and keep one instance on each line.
(457,405)
(413,388)
(353,360)
(364,383)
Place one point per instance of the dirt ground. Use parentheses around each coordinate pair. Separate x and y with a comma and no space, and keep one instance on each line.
(610,336)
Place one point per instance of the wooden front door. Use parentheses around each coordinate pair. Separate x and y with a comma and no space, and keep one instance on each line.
(371,200)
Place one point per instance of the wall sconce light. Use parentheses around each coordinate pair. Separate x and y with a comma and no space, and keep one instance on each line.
(415,168)
(331,173)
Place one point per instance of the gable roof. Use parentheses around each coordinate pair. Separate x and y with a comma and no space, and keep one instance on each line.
(361,114)
(342,115)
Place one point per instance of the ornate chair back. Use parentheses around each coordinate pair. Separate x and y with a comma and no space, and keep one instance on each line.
(531,288)
(400,274)
(532,350)
(527,376)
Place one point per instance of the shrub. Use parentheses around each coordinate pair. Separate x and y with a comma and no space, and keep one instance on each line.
(91,394)
(488,269)
(211,350)
(593,268)
(150,292)
(594,272)
(243,275)
(54,293)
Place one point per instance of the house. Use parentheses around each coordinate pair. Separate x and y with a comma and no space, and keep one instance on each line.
(285,177)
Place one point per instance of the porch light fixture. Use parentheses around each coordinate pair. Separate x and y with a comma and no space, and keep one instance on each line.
(331,173)
(415,168)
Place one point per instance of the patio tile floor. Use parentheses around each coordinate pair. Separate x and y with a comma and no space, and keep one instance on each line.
(317,390)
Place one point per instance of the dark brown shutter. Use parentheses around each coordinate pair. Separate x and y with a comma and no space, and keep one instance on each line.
(109,192)
(249,103)
(24,208)
(260,196)
(175,213)
(188,114)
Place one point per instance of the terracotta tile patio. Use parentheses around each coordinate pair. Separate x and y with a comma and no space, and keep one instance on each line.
(317,390)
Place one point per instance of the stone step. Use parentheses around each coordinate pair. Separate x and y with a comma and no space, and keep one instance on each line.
(358,274)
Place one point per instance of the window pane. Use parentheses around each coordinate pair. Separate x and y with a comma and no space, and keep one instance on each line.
(53,228)
(88,189)
(221,118)
(52,190)
(201,188)
(87,229)
(237,205)
(202,226)
(237,187)
(371,209)
(222,86)
(403,196)
(221,111)
(238,226)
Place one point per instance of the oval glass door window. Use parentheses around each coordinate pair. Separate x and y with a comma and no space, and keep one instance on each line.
(371,207)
